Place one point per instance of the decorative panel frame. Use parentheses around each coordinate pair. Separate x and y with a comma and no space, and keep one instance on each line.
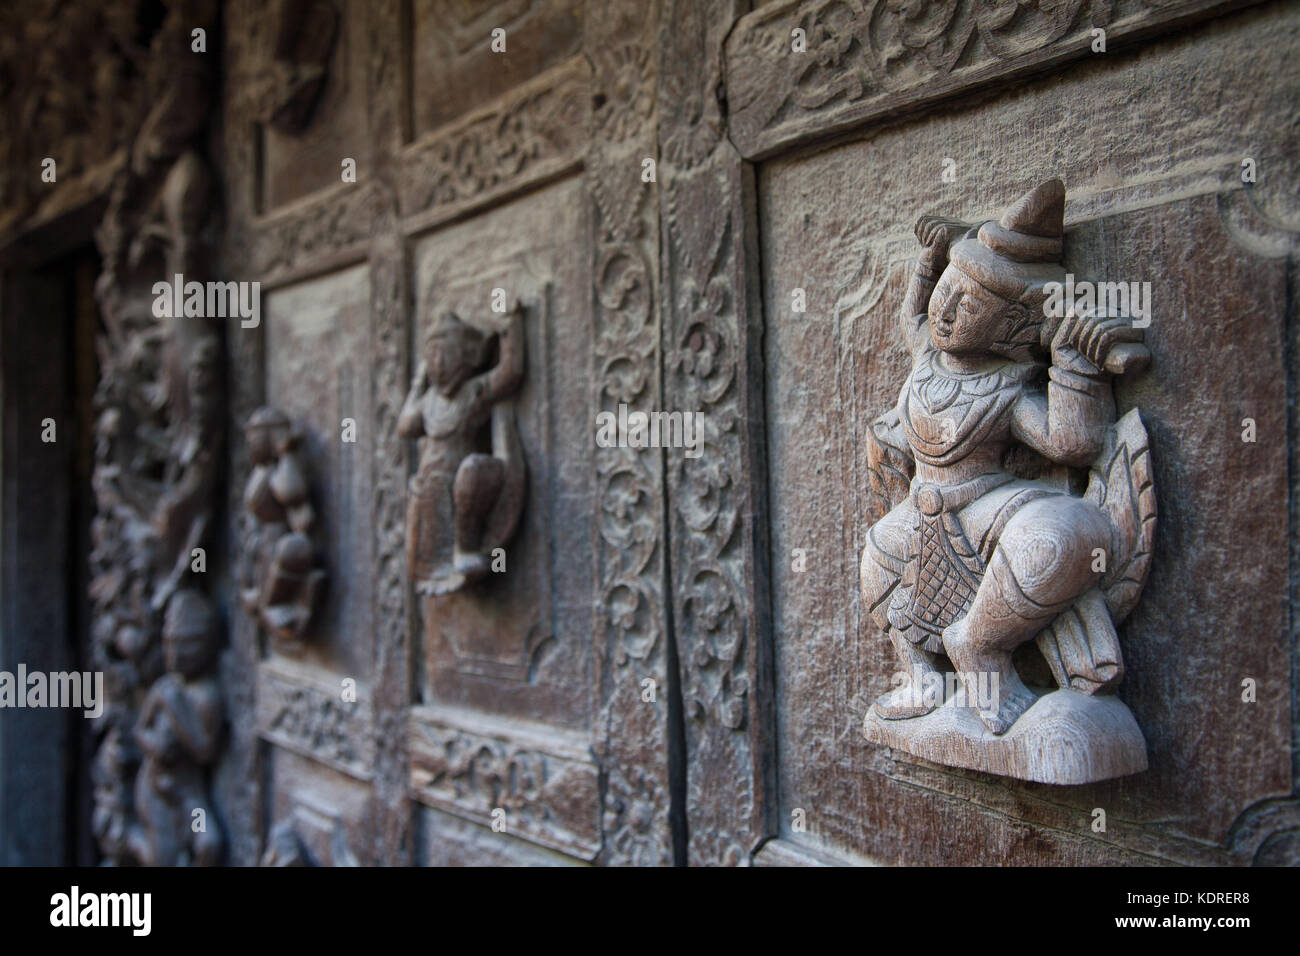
(861,74)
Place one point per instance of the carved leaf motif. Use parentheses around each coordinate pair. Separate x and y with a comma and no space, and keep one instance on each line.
(859,52)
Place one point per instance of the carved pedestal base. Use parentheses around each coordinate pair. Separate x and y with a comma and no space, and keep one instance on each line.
(1065,738)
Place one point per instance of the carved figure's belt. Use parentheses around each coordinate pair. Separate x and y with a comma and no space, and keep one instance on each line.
(945,570)
(930,499)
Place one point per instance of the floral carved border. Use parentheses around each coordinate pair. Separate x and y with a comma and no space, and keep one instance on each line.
(712,366)
(866,59)
(534,134)
(631,636)
(540,786)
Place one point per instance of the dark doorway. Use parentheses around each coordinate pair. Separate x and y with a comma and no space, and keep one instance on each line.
(47,376)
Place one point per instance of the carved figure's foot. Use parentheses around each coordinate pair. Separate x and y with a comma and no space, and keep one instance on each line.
(445,583)
(1011,706)
(904,702)
(982,671)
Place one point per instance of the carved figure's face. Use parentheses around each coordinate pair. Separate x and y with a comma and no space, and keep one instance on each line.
(965,317)
(452,354)
(186,653)
(261,444)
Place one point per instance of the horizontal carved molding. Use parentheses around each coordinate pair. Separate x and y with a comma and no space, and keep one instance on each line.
(546,780)
(534,134)
(865,59)
(327,231)
(302,709)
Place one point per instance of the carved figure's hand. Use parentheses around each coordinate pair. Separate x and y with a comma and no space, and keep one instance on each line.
(936,234)
(1083,343)
(421,380)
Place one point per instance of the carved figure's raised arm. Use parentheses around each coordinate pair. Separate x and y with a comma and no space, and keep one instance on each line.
(504,378)
(1068,424)
(936,234)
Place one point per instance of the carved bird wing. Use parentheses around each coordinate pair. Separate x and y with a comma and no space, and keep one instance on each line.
(1122,486)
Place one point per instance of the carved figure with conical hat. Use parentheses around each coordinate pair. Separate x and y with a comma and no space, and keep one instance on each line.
(974,559)
(467,495)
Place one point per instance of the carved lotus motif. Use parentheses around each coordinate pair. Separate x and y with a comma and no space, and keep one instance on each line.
(628,98)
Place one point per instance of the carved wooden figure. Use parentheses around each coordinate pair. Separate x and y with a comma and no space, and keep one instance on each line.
(973,560)
(178,733)
(467,496)
(159,407)
(289,85)
(282,582)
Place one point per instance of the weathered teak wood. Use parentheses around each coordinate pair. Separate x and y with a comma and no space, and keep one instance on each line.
(683,660)
(1216,249)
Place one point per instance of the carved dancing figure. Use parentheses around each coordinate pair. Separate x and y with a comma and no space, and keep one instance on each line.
(972,560)
(467,495)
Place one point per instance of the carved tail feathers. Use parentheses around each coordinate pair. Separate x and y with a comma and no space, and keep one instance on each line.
(504,517)
(1080,645)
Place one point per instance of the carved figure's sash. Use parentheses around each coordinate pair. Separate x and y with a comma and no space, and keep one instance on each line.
(945,571)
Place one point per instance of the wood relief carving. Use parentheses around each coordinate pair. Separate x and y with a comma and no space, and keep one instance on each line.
(308,836)
(158,446)
(79,119)
(546,782)
(864,58)
(631,638)
(972,561)
(292,74)
(708,275)
(468,492)
(179,732)
(304,711)
(533,133)
(281,578)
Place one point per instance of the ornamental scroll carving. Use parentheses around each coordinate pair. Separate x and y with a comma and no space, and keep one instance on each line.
(158,433)
(974,559)
(854,59)
(468,492)
(281,581)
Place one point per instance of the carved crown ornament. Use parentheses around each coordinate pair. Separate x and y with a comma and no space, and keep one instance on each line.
(975,558)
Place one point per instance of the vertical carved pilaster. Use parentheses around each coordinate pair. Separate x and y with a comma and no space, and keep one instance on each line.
(712,365)
(246,349)
(158,454)
(632,638)
(389,361)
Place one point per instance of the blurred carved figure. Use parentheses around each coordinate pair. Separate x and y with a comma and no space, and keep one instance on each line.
(280,580)
(178,733)
(286,89)
(467,496)
(158,451)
